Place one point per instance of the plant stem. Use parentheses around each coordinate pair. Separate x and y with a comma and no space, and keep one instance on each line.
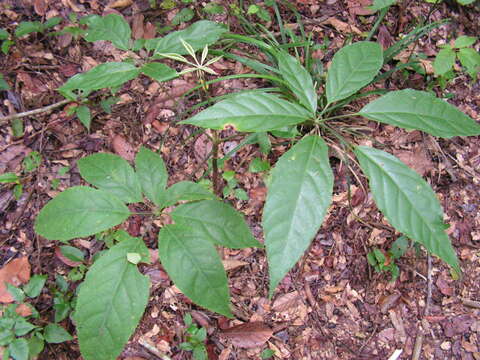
(380,18)
(215,174)
(34,112)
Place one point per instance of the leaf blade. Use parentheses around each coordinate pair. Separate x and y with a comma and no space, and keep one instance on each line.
(291,219)
(158,71)
(407,201)
(111,27)
(412,109)
(186,191)
(250,112)
(79,212)
(152,174)
(194,266)
(352,68)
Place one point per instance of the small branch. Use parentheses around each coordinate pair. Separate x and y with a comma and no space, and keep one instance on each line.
(215,174)
(147,344)
(34,112)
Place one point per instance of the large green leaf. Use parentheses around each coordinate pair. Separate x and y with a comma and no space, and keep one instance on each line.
(250,112)
(113,174)
(78,212)
(298,197)
(217,222)
(470,60)
(195,267)
(106,75)
(407,201)
(298,79)
(152,173)
(381,4)
(197,35)
(111,27)
(444,61)
(412,109)
(352,68)
(111,302)
(186,191)
(158,71)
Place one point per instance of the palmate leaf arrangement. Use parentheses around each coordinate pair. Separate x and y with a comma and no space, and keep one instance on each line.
(114,295)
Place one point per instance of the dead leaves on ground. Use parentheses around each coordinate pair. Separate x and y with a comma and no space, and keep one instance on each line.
(248,335)
(16,272)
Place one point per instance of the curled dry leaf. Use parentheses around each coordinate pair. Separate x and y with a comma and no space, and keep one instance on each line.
(41,6)
(248,335)
(16,272)
(123,148)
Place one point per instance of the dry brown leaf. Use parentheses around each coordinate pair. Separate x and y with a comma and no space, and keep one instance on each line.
(230,264)
(120,4)
(137,26)
(285,302)
(342,27)
(203,147)
(123,148)
(149,31)
(23,310)
(16,272)
(417,159)
(359,7)
(248,335)
(41,6)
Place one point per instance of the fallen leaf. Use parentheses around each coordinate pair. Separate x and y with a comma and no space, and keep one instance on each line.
(120,4)
(16,272)
(359,7)
(384,37)
(23,310)
(41,6)
(342,27)
(417,159)
(285,302)
(203,147)
(230,264)
(137,26)
(248,335)
(65,260)
(123,148)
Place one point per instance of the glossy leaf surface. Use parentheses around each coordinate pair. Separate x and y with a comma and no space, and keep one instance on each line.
(216,222)
(407,201)
(352,68)
(79,212)
(250,112)
(412,109)
(113,174)
(298,197)
(159,72)
(152,173)
(298,79)
(111,302)
(195,267)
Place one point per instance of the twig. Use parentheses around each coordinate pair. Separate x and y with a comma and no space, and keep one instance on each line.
(471,303)
(153,349)
(34,112)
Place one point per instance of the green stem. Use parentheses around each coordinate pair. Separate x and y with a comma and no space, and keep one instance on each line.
(380,18)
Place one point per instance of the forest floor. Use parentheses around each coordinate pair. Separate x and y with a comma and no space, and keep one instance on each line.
(332,305)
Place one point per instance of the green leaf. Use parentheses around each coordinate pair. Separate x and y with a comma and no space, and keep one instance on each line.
(444,61)
(258,165)
(465,41)
(184,15)
(72,253)
(111,27)
(35,285)
(16,293)
(83,113)
(23,327)
(35,346)
(111,302)
(217,222)
(18,128)
(186,191)
(250,112)
(470,59)
(159,72)
(9,177)
(19,349)
(3,36)
(209,30)
(113,174)
(195,267)
(55,334)
(28,27)
(3,84)
(352,68)
(465,2)
(407,201)
(54,21)
(108,75)
(380,4)
(134,258)
(412,109)
(298,197)
(79,212)
(399,247)
(152,173)
(298,79)
(32,161)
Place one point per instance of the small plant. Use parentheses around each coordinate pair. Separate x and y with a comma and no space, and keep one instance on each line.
(232,189)
(463,51)
(386,262)
(22,339)
(30,163)
(195,339)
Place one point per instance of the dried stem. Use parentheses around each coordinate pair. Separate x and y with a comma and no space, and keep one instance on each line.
(34,112)
(215,175)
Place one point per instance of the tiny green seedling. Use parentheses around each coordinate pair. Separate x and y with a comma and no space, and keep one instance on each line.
(232,189)
(386,262)
(195,339)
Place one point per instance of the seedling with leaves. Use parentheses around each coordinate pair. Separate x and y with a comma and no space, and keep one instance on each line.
(195,339)
(386,262)
(22,339)
(30,163)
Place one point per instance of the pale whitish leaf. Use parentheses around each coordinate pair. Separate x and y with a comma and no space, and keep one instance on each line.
(197,35)
(217,222)
(352,68)
(250,112)
(159,72)
(444,61)
(113,174)
(108,75)
(111,302)
(298,79)
(152,173)
(298,197)
(79,212)
(412,109)
(407,201)
(186,191)
(195,267)
(111,27)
